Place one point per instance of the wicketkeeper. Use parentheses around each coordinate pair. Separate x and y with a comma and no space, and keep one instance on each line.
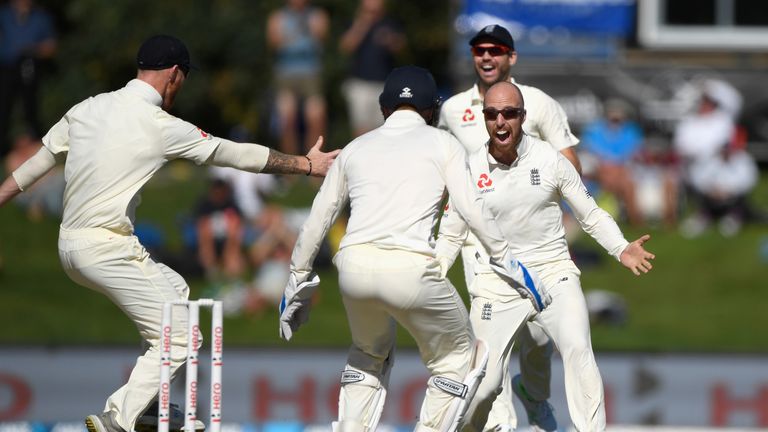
(394,178)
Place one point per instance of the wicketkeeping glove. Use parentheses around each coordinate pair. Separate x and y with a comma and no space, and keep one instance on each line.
(526,282)
(296,303)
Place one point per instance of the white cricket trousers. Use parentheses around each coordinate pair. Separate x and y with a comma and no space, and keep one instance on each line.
(566,322)
(495,319)
(381,287)
(118,266)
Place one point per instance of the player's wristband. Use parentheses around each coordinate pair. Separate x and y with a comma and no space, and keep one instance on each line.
(310,165)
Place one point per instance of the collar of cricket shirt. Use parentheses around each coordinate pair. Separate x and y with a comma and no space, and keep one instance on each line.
(145,91)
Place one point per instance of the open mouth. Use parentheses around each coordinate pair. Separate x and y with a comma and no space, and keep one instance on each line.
(503,136)
(487,69)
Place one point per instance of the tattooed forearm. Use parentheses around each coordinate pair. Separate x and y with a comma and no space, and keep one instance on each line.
(281,163)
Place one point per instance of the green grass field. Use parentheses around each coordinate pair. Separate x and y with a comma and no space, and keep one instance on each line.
(707,294)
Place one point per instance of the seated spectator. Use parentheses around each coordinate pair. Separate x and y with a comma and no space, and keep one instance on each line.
(219,224)
(614,141)
(704,143)
(722,185)
(46,196)
(270,234)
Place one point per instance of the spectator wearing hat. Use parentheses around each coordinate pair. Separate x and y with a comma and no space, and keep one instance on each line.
(111,145)
(717,172)
(493,55)
(388,273)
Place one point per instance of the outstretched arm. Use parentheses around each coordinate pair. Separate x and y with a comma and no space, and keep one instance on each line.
(257,158)
(8,190)
(27,174)
(315,163)
(636,258)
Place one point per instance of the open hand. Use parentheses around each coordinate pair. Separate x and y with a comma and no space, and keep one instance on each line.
(636,258)
(321,162)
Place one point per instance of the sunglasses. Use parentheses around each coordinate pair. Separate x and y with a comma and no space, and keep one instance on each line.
(495,50)
(509,113)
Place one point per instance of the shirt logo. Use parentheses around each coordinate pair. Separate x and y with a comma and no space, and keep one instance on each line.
(485,315)
(202,133)
(586,192)
(406,93)
(468,115)
(484,181)
(535,177)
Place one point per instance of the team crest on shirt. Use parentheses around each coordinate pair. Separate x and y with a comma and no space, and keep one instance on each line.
(535,177)
(484,183)
(485,315)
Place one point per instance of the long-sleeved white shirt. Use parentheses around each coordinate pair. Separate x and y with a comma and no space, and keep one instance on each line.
(115,142)
(462,115)
(394,178)
(525,200)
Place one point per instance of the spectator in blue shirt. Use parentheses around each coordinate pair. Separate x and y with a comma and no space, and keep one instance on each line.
(613,141)
(26,36)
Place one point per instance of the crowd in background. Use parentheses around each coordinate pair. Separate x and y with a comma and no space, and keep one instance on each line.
(241,242)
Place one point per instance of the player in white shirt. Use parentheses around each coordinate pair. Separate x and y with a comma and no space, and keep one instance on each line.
(394,178)
(523,181)
(493,51)
(112,144)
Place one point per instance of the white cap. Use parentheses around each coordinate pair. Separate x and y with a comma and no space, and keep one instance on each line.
(724,95)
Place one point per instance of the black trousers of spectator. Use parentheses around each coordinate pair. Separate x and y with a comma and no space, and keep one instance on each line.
(18,80)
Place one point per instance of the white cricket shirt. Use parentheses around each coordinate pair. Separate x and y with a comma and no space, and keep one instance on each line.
(114,143)
(394,178)
(525,199)
(462,115)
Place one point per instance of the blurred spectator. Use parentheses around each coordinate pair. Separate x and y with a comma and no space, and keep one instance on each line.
(614,141)
(717,173)
(296,33)
(269,231)
(721,185)
(46,196)
(372,41)
(220,233)
(26,37)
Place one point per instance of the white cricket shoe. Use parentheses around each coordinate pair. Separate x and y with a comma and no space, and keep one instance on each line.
(104,422)
(148,421)
(541,415)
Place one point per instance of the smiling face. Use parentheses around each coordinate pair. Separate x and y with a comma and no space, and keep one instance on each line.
(504,113)
(492,62)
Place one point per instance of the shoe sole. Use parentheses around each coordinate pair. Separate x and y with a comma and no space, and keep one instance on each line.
(93,424)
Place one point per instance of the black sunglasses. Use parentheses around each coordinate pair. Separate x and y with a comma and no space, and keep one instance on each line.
(509,113)
(495,50)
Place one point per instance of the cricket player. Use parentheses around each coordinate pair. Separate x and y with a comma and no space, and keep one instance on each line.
(529,178)
(111,145)
(493,53)
(394,178)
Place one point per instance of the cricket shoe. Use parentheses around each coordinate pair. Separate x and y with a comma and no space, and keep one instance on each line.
(541,416)
(148,421)
(104,422)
